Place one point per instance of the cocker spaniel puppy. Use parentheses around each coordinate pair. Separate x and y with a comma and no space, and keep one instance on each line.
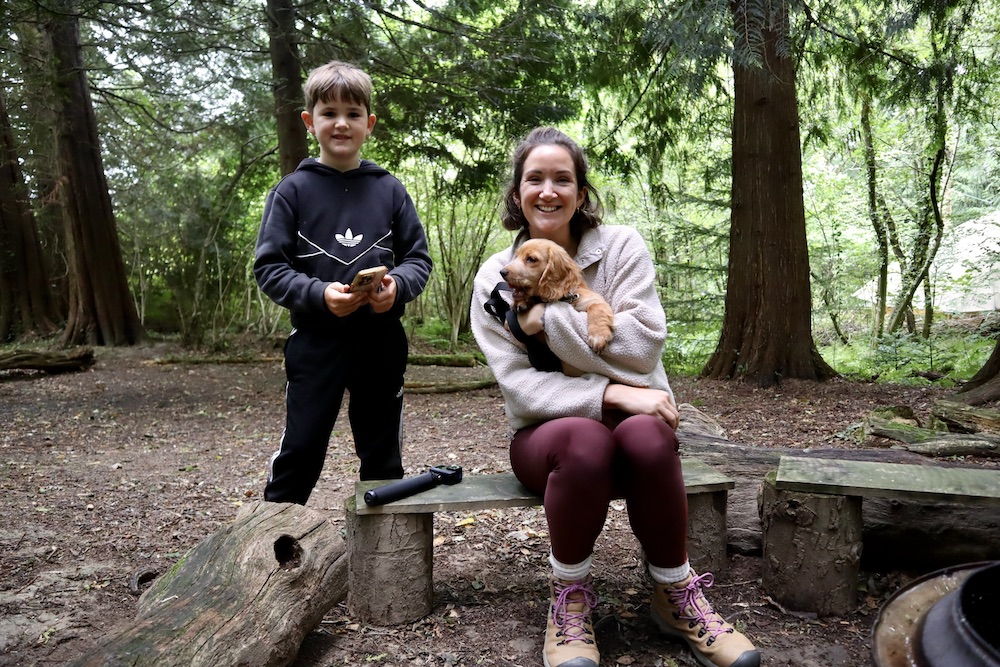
(543,272)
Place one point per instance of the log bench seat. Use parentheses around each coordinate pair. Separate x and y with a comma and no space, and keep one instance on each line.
(390,571)
(812,523)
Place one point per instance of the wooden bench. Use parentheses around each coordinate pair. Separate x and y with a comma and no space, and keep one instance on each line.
(812,522)
(390,546)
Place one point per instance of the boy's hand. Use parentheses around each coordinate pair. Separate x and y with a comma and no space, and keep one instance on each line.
(342,303)
(384,297)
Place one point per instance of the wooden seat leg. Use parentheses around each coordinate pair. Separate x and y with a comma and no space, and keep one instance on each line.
(812,549)
(706,543)
(390,572)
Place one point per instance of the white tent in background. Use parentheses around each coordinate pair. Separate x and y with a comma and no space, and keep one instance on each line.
(965,274)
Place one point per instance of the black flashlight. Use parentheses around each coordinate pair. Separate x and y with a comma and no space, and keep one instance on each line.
(405,488)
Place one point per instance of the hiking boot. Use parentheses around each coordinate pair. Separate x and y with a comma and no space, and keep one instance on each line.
(682,611)
(569,634)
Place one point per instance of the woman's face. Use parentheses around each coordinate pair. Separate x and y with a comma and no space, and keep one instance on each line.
(548,193)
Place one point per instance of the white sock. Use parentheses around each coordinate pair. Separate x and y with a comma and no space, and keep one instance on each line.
(670,575)
(570,572)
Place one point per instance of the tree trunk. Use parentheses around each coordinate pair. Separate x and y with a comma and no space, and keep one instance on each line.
(26,304)
(247,595)
(875,214)
(101,310)
(39,155)
(286,71)
(930,229)
(984,386)
(767,329)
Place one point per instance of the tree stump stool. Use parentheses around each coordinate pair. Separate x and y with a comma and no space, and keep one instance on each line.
(812,549)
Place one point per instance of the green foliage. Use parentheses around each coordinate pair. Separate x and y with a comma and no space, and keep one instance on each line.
(436,332)
(689,346)
(955,356)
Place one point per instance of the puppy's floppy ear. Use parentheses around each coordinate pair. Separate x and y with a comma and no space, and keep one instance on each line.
(561,277)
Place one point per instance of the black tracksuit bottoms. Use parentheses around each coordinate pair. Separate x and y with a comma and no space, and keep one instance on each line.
(369,364)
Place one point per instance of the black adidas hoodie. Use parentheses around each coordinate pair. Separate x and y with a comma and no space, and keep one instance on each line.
(321,226)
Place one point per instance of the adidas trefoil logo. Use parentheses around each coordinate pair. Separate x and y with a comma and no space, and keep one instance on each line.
(349,240)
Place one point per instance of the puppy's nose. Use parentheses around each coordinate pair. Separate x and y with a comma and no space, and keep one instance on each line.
(503,273)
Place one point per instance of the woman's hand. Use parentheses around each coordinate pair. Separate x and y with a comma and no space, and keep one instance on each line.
(340,301)
(532,321)
(642,401)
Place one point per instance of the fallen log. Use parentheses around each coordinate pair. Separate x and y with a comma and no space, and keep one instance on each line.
(962,418)
(247,595)
(956,445)
(936,443)
(416,387)
(451,360)
(50,361)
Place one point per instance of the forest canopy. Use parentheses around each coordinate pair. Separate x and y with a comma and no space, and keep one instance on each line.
(140,139)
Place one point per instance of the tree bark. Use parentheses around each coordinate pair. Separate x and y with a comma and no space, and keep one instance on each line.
(391,568)
(247,595)
(26,304)
(984,386)
(767,328)
(101,310)
(286,72)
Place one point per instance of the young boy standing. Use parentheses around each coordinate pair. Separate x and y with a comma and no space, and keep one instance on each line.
(323,223)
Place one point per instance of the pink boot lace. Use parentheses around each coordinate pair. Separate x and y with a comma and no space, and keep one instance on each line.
(691,599)
(572,624)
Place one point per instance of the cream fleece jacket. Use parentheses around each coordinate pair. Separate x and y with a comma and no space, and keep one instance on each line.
(615,263)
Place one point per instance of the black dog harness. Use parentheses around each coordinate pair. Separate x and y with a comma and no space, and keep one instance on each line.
(539,354)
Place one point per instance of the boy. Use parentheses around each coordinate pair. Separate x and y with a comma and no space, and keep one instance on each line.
(331,218)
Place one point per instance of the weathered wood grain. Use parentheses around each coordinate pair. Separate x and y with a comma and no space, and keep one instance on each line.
(246,595)
(476,492)
(889,480)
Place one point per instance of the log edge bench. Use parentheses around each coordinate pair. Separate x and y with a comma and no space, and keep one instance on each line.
(812,521)
(390,571)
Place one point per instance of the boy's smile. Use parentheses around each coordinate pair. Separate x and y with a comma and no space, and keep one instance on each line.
(340,127)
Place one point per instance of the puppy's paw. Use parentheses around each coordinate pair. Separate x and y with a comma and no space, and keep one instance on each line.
(598,339)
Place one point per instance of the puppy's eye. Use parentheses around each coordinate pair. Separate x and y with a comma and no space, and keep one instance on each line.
(530,259)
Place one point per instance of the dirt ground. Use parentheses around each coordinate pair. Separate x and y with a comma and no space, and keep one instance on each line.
(130,464)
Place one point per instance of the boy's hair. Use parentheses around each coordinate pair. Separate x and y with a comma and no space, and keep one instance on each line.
(336,80)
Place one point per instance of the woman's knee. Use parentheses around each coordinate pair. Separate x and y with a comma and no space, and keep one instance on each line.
(584,446)
(647,438)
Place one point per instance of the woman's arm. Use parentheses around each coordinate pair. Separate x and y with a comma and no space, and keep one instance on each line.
(642,401)
(530,395)
(629,285)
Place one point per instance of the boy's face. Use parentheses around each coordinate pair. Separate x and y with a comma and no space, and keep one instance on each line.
(340,127)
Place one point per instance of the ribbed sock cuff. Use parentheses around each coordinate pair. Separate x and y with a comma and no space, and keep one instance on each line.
(570,572)
(669,575)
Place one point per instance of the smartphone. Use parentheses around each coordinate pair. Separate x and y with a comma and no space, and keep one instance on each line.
(367,279)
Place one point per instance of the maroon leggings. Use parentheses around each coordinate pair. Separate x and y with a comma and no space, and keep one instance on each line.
(579,465)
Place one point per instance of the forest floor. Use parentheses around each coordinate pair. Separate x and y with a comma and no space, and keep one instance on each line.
(130,464)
